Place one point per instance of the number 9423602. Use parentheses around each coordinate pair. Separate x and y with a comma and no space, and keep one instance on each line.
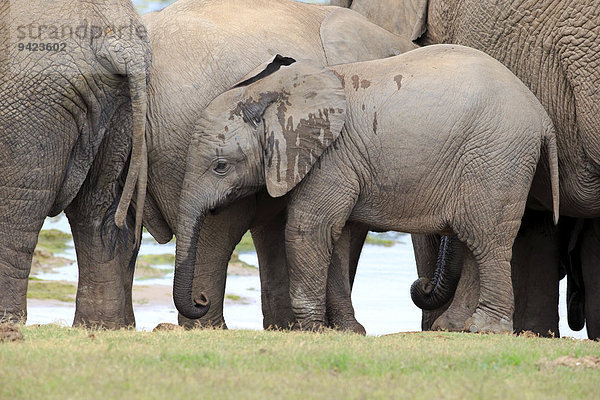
(41,47)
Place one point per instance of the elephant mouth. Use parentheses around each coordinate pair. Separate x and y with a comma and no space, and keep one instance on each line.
(232,196)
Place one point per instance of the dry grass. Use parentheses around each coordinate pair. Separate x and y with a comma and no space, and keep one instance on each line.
(55,362)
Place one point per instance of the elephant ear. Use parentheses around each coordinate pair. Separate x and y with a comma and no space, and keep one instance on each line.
(420,26)
(265,69)
(407,18)
(303,107)
(348,37)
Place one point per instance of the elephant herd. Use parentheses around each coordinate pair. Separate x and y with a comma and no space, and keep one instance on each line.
(461,122)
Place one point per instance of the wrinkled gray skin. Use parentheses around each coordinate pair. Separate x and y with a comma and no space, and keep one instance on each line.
(554,48)
(191,66)
(69,121)
(355,141)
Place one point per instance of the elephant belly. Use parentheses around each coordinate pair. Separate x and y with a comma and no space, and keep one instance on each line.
(394,208)
(580,195)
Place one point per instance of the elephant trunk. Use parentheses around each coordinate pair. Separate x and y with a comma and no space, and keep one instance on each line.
(190,223)
(430,295)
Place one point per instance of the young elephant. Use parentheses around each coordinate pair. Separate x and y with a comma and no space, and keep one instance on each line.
(442,139)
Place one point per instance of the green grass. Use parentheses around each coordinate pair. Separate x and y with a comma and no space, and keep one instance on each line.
(50,242)
(57,363)
(50,290)
(379,241)
(157,259)
(239,267)
(54,241)
(145,265)
(246,244)
(238,299)
(235,259)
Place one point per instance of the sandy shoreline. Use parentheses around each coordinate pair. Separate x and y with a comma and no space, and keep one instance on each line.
(143,295)
(153,295)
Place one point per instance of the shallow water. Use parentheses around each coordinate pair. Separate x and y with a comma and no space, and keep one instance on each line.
(380,296)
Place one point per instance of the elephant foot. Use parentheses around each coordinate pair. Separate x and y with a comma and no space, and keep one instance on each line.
(481,322)
(201,323)
(445,322)
(13,318)
(348,325)
(309,326)
(576,310)
(283,321)
(118,323)
(278,327)
(103,314)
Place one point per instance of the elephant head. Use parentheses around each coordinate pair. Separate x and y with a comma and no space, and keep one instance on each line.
(268,130)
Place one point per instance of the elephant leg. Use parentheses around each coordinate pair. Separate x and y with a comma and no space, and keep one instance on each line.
(29,185)
(535,283)
(464,302)
(535,274)
(358,235)
(21,223)
(316,218)
(269,241)
(489,231)
(590,261)
(276,306)
(340,312)
(217,240)
(106,260)
(571,229)
(105,254)
(495,309)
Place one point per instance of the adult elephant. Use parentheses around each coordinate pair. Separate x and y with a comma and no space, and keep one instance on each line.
(201,49)
(554,48)
(73,95)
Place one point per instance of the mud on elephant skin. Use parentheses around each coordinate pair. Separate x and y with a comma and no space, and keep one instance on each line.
(72,128)
(506,30)
(314,134)
(186,75)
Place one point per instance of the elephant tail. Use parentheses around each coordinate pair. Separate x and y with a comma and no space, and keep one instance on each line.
(552,153)
(138,164)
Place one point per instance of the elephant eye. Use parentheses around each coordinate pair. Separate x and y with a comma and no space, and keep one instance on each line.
(221,167)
